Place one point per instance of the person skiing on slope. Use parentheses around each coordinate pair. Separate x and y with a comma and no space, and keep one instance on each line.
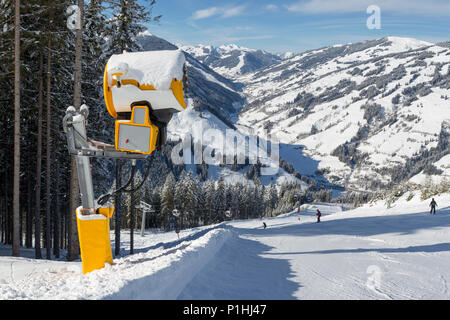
(433,206)
(319,214)
(265,225)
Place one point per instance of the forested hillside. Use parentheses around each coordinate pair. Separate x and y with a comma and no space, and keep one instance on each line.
(47,70)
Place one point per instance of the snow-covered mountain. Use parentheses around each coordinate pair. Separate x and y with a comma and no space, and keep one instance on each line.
(218,101)
(286,55)
(232,60)
(213,92)
(361,114)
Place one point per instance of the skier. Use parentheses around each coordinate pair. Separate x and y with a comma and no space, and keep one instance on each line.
(265,225)
(319,214)
(433,206)
(177,230)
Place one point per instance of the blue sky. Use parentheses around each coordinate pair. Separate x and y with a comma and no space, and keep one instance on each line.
(297,25)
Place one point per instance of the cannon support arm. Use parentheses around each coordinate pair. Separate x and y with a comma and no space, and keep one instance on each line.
(83,149)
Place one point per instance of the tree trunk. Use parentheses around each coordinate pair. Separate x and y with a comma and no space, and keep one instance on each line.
(74,249)
(117,209)
(37,216)
(16,200)
(29,230)
(48,158)
(7,221)
(56,222)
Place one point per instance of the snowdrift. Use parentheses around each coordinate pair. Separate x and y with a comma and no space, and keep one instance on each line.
(155,272)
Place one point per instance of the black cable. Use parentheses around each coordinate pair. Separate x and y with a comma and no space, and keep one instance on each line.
(147,173)
(104,198)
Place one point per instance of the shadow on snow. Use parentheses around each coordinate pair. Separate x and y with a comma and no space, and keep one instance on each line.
(239,272)
(236,272)
(359,226)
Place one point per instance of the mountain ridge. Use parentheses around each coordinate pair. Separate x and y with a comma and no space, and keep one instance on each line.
(359,116)
(337,101)
(232,60)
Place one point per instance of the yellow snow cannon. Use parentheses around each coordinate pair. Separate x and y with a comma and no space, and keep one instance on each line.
(142,91)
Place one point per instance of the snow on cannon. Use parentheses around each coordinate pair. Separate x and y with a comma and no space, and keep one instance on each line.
(142,91)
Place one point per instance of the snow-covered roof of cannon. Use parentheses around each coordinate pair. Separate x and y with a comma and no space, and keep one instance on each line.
(156,68)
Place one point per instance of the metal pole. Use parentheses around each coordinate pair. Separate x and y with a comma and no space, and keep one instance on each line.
(144,211)
(117,205)
(85,183)
(83,167)
(132,217)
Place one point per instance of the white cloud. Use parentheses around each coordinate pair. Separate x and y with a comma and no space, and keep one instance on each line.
(233,11)
(223,12)
(205,13)
(271,7)
(439,7)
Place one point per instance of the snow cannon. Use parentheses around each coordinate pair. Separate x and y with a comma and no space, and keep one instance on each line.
(142,91)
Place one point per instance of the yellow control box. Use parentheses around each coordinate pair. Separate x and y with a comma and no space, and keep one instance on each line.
(93,234)
(138,135)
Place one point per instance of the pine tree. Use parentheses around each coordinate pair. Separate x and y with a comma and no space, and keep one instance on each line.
(444,186)
(209,194)
(249,191)
(197,203)
(263,204)
(168,198)
(271,199)
(234,200)
(242,199)
(128,19)
(179,193)
(155,201)
(258,197)
(221,205)
(189,196)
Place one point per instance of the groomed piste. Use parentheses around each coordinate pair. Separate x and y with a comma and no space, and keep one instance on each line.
(368,253)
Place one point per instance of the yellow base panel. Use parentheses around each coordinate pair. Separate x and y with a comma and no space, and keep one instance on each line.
(95,244)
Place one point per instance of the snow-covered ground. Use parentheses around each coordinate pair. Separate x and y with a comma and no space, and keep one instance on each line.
(368,253)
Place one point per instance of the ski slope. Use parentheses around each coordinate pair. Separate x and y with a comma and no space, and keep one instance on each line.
(368,253)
